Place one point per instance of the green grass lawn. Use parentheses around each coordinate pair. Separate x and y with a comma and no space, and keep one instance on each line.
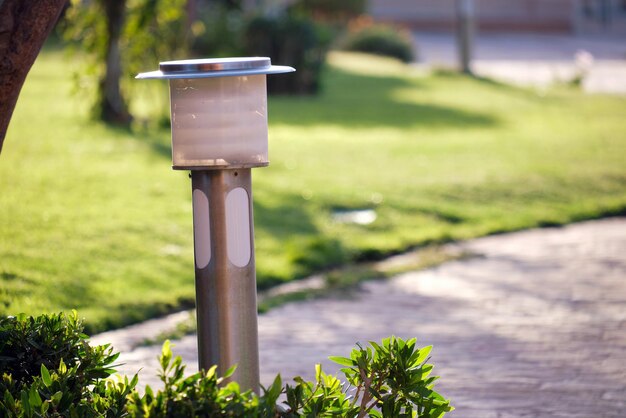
(93,218)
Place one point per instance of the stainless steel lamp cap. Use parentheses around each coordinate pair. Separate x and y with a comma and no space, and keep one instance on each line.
(215,67)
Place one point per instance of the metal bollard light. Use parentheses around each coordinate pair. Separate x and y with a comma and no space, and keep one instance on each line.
(219,132)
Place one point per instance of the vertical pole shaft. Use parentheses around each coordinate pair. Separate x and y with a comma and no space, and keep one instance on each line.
(225,273)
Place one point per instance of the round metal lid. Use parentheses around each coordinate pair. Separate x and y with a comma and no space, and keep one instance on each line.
(215,67)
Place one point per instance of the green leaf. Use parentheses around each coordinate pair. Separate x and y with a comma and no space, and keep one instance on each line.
(318,372)
(45,376)
(386,342)
(62,367)
(400,342)
(423,354)
(228,373)
(9,400)
(210,374)
(34,398)
(375,414)
(276,388)
(166,355)
(376,346)
(344,361)
(25,403)
(56,398)
(411,343)
(110,359)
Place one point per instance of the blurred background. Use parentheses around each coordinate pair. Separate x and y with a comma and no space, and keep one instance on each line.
(408,124)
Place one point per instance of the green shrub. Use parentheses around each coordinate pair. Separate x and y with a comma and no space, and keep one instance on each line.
(391,379)
(380,39)
(63,376)
(292,41)
(394,378)
(199,395)
(217,31)
(48,368)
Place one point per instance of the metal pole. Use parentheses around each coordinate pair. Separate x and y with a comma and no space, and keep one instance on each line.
(225,273)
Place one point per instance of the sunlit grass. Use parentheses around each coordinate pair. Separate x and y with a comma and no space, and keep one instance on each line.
(93,218)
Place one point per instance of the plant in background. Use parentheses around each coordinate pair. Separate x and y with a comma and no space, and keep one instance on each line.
(217,29)
(584,63)
(330,10)
(299,35)
(290,40)
(364,35)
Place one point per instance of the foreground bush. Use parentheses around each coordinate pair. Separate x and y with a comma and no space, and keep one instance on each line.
(49,370)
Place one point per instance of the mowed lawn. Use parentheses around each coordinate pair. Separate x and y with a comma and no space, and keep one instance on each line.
(93,218)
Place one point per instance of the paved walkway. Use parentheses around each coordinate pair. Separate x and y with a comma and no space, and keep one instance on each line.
(536,59)
(533,326)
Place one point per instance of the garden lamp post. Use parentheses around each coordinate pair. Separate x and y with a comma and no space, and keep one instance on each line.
(219,132)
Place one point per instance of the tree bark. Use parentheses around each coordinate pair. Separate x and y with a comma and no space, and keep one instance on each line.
(24,26)
(465,34)
(113,108)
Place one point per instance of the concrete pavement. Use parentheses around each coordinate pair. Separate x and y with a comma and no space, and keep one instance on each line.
(534,325)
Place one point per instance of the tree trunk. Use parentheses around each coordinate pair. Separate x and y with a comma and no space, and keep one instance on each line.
(465,34)
(112,106)
(24,26)
(192,12)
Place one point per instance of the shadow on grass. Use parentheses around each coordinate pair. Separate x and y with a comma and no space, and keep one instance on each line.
(160,146)
(158,139)
(282,219)
(306,247)
(519,91)
(353,100)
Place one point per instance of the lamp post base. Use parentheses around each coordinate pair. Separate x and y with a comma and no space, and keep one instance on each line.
(225,273)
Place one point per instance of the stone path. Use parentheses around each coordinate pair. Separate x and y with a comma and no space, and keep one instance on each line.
(533,326)
(536,59)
